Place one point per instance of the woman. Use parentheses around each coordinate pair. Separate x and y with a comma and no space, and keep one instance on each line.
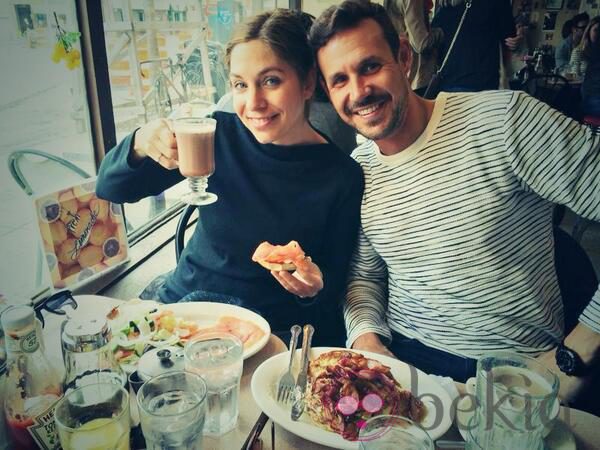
(590,89)
(277,180)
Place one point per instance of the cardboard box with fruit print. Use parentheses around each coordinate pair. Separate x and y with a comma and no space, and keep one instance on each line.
(82,235)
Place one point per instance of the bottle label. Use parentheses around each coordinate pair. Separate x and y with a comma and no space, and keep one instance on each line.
(43,430)
(28,343)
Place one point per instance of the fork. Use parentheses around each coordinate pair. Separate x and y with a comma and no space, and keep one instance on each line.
(285,387)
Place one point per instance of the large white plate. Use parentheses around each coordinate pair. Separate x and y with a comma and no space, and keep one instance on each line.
(264,387)
(205,314)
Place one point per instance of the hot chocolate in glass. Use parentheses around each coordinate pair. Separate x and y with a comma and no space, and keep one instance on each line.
(196,149)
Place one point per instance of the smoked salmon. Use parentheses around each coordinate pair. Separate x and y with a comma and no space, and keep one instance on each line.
(247,332)
(278,257)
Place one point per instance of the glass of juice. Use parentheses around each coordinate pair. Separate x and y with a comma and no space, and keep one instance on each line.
(94,417)
(196,154)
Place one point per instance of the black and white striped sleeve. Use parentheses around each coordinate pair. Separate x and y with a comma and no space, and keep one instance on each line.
(367,294)
(559,160)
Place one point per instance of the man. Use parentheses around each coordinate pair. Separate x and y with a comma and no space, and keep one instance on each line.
(455,254)
(411,18)
(565,48)
(474,61)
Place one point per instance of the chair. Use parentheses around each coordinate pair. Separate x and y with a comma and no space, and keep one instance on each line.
(577,278)
(151,290)
(15,157)
(181,227)
(593,122)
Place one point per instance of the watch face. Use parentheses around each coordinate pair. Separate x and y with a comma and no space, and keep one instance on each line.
(566,360)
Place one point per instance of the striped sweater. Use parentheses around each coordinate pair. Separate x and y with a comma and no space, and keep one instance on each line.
(456,242)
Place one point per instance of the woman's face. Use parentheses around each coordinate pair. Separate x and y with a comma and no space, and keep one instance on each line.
(268,96)
(594,33)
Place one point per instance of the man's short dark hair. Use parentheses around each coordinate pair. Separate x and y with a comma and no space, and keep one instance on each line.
(348,15)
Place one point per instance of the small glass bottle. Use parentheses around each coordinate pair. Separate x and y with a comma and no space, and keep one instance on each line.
(87,354)
(32,386)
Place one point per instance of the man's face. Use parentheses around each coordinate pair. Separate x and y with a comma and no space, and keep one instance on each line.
(365,83)
(578,30)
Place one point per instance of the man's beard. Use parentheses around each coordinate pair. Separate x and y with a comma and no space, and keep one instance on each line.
(394,122)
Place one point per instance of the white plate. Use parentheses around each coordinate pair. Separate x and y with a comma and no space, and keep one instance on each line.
(264,387)
(206,314)
(559,438)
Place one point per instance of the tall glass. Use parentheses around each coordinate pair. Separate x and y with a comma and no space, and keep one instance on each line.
(196,152)
(218,358)
(388,432)
(172,411)
(517,401)
(94,417)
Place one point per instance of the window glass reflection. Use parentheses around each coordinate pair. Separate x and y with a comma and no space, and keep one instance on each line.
(43,106)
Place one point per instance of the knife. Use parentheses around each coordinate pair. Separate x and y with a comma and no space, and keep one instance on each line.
(300,389)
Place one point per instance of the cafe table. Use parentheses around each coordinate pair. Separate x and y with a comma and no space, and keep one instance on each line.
(585,427)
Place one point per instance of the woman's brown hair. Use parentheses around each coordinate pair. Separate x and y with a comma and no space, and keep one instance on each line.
(591,50)
(285,32)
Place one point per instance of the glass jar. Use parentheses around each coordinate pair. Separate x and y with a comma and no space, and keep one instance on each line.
(32,386)
(88,355)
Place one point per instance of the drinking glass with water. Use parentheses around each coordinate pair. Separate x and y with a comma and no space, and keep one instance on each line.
(172,411)
(218,358)
(388,432)
(517,402)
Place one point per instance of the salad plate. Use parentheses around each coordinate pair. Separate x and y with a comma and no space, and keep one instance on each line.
(139,325)
(264,390)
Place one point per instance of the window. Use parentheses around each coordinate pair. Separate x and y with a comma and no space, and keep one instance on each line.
(138,14)
(164,69)
(41,20)
(43,106)
(118,14)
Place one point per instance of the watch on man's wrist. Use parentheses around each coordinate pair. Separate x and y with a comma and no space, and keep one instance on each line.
(569,362)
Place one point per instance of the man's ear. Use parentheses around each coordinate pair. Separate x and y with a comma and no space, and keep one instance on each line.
(405,54)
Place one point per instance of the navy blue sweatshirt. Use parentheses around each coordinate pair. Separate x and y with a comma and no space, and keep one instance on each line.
(308,193)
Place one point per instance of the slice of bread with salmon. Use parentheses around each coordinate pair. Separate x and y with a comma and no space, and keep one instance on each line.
(278,257)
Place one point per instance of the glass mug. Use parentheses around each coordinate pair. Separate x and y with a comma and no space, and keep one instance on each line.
(517,401)
(196,156)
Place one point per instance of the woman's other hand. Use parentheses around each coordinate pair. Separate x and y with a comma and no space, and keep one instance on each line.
(305,282)
(156,140)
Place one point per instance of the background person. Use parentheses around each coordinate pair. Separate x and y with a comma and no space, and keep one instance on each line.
(277,180)
(474,63)
(562,55)
(590,89)
(456,252)
(515,58)
(411,18)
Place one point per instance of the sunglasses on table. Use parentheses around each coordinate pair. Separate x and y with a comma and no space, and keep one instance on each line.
(55,304)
